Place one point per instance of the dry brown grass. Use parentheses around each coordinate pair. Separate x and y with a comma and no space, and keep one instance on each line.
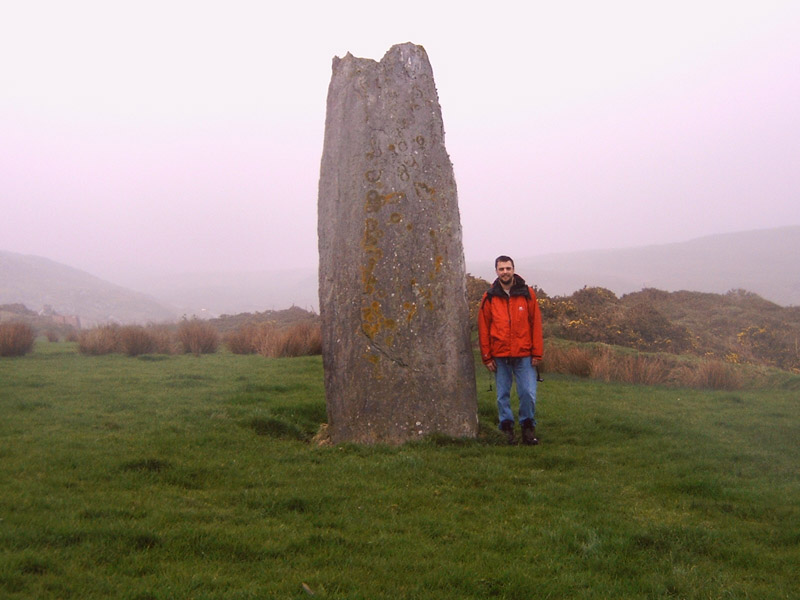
(163,339)
(572,361)
(135,340)
(16,339)
(630,368)
(607,364)
(198,337)
(99,340)
(715,375)
(303,338)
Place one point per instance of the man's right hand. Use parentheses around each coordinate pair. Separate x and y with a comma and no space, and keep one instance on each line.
(491,365)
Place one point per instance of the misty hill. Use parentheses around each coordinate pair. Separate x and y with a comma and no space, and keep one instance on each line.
(214,293)
(39,282)
(763,261)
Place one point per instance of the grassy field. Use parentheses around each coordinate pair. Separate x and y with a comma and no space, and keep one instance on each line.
(177,477)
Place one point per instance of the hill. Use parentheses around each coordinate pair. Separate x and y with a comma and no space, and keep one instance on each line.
(761,261)
(42,284)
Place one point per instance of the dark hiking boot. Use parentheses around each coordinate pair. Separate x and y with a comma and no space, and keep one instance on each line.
(507,427)
(529,433)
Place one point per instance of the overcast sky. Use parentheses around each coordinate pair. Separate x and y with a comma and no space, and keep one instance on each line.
(174,135)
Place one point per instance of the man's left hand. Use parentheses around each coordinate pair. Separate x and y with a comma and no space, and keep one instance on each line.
(535,361)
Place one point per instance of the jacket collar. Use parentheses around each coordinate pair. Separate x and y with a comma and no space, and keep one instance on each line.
(518,288)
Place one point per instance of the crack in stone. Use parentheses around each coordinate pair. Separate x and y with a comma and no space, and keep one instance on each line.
(373,344)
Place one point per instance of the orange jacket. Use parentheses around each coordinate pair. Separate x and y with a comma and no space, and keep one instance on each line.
(510,326)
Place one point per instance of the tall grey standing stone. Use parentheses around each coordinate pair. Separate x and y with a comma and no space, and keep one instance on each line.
(392,284)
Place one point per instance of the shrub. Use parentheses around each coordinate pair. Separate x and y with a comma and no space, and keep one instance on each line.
(302,339)
(243,339)
(163,339)
(104,339)
(51,335)
(572,361)
(629,368)
(135,340)
(716,375)
(198,337)
(16,339)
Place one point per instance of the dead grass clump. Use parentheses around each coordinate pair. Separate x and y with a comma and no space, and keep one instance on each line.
(163,339)
(198,337)
(715,375)
(629,368)
(302,339)
(135,340)
(242,340)
(16,339)
(572,361)
(104,339)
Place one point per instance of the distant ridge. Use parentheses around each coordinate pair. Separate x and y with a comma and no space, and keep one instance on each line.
(764,261)
(38,282)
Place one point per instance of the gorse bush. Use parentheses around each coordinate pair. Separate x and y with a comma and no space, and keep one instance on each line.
(16,339)
(198,337)
(737,327)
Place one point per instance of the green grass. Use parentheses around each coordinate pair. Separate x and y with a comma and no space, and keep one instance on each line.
(177,477)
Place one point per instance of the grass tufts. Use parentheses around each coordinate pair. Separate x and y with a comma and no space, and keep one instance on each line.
(198,337)
(276,428)
(100,340)
(16,339)
(152,465)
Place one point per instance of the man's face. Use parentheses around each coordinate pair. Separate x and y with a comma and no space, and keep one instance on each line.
(505,272)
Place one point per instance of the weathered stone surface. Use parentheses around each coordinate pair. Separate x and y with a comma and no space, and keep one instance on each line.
(395,322)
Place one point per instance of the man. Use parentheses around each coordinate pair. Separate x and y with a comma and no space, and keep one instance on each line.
(510,332)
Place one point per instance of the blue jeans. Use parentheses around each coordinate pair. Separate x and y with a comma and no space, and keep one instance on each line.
(521,370)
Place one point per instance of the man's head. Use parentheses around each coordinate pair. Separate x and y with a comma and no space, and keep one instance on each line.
(504,266)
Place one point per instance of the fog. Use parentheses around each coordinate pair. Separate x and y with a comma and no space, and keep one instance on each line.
(158,137)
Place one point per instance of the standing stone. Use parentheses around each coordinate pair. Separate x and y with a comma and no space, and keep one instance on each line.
(395,321)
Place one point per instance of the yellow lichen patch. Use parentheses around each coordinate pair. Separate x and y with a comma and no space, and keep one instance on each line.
(438,264)
(395,218)
(375,360)
(372,233)
(367,277)
(372,319)
(424,191)
(411,310)
(375,200)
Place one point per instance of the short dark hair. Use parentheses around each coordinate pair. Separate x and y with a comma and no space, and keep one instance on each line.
(503,258)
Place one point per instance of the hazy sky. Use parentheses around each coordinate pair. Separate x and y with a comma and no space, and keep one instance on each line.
(187,135)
